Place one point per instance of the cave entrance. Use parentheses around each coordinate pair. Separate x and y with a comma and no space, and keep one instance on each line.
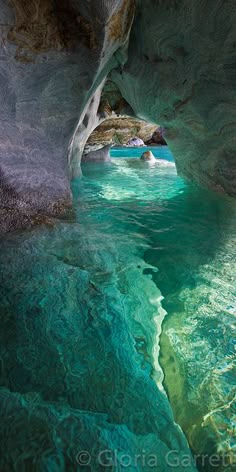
(124,136)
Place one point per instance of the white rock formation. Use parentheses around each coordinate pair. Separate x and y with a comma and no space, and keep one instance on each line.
(135,142)
(148,156)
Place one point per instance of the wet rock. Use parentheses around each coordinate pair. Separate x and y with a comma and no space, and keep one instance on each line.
(148,156)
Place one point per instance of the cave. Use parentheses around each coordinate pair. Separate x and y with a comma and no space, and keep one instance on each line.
(117,275)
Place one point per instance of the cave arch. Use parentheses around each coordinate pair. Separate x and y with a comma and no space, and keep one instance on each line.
(175,68)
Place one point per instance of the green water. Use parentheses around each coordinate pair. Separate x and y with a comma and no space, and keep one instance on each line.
(116,324)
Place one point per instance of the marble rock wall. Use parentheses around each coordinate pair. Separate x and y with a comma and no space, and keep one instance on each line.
(181,73)
(97,155)
(54,56)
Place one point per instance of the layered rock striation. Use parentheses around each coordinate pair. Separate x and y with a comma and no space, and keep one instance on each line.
(120,130)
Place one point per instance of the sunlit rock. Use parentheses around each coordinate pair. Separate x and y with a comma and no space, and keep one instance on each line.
(120,130)
(148,156)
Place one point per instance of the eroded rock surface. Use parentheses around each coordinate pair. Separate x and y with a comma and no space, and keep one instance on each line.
(120,130)
(53,60)
(181,73)
(148,156)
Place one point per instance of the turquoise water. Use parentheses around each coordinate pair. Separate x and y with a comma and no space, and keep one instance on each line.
(162,152)
(117,329)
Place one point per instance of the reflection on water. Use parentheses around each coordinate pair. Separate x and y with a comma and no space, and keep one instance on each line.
(82,310)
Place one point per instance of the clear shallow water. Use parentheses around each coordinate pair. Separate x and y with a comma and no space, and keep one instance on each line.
(82,310)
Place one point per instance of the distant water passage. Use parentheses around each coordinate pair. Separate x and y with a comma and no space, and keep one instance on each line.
(117,324)
(162,152)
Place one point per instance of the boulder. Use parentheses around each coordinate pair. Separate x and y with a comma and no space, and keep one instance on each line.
(148,156)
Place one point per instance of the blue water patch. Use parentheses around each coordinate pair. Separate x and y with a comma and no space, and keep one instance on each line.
(162,152)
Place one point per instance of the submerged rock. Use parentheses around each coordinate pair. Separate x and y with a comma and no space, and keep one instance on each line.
(76,348)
